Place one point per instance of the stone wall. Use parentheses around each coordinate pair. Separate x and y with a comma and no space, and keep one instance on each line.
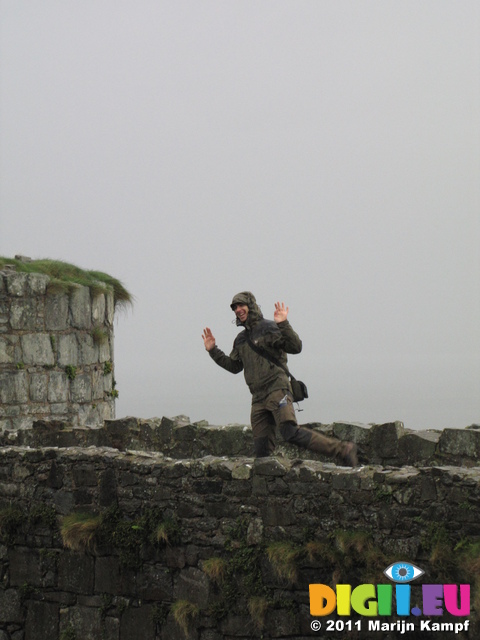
(272,527)
(383,444)
(56,352)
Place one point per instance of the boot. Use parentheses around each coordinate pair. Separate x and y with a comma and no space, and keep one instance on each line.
(349,454)
(346,451)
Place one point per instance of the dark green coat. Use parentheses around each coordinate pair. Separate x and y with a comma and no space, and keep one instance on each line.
(261,376)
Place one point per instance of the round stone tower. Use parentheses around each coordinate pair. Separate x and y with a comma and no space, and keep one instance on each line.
(56,351)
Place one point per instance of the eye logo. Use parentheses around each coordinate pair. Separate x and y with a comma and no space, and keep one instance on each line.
(403,572)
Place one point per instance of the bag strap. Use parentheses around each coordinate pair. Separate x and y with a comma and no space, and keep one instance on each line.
(267,356)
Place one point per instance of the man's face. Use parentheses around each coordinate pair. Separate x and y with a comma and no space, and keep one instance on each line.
(241,311)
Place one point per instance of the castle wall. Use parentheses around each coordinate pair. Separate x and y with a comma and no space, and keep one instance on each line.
(341,525)
(56,353)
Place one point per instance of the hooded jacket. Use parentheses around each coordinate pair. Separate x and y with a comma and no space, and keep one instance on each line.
(262,377)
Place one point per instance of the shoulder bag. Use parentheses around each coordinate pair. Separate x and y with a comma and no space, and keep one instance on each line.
(299,388)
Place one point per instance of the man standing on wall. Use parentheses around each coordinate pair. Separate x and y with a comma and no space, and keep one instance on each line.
(269,384)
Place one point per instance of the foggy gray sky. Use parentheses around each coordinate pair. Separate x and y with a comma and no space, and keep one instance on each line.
(325,153)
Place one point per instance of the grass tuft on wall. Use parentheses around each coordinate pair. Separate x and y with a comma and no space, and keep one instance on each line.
(64,276)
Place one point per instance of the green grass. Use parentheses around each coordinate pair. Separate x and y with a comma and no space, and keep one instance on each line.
(78,531)
(65,276)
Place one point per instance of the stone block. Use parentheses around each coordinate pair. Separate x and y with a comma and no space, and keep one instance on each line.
(227,441)
(242,471)
(270,467)
(137,622)
(98,309)
(384,440)
(193,585)
(107,490)
(10,606)
(278,514)
(24,314)
(39,387)
(56,312)
(417,447)
(109,307)
(87,349)
(16,284)
(81,388)
(86,622)
(67,349)
(37,284)
(58,387)
(97,385)
(6,351)
(76,572)
(460,442)
(353,431)
(37,349)
(104,351)
(13,387)
(81,308)
(107,575)
(42,621)
(155,582)
(25,567)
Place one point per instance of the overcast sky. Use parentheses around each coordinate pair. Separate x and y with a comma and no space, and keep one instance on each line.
(325,153)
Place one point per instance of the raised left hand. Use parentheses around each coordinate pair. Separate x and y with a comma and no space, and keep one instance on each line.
(281,312)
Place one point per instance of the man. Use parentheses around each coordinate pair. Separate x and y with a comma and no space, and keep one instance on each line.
(269,384)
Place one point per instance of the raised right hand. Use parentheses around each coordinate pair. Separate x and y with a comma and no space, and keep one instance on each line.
(208,339)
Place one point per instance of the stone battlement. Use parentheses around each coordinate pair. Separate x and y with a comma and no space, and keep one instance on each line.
(387,444)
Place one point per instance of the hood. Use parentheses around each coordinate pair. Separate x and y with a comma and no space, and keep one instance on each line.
(254,313)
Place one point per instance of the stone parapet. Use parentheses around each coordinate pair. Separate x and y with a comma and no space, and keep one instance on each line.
(238,540)
(56,352)
(387,444)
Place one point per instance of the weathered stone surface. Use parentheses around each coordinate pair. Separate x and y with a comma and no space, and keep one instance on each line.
(417,447)
(109,307)
(13,387)
(39,387)
(10,606)
(67,350)
(37,349)
(193,585)
(42,621)
(460,442)
(88,350)
(58,386)
(80,308)
(56,312)
(81,388)
(86,622)
(25,567)
(37,284)
(75,572)
(6,351)
(242,471)
(24,314)
(384,440)
(16,284)
(270,467)
(98,309)
(353,431)
(137,622)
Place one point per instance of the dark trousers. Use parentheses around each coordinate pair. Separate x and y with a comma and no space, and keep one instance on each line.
(277,411)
